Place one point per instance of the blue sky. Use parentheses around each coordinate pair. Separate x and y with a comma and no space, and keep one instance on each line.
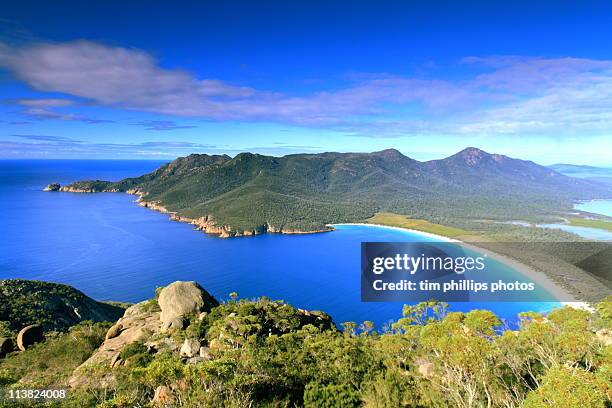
(162,79)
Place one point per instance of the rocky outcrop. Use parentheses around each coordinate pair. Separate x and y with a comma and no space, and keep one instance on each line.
(52,187)
(181,298)
(178,323)
(155,327)
(91,186)
(146,323)
(29,336)
(114,331)
(190,348)
(138,324)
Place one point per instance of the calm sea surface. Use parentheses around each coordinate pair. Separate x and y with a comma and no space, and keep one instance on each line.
(113,249)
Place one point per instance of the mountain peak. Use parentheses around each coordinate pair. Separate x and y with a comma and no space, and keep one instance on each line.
(473,156)
(389,154)
(472,151)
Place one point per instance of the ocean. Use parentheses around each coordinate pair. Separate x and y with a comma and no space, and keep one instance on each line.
(112,249)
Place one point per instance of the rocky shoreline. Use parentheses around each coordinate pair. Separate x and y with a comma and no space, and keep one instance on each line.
(205,224)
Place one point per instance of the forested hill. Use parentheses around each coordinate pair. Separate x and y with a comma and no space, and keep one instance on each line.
(304,192)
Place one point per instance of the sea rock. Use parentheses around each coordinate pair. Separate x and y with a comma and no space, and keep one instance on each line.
(190,348)
(29,335)
(163,396)
(6,346)
(178,323)
(114,331)
(52,187)
(180,298)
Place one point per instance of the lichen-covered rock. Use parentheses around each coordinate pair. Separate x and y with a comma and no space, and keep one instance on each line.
(29,335)
(181,298)
(178,323)
(6,346)
(190,348)
(195,360)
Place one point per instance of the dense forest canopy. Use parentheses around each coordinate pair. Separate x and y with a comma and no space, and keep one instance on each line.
(306,192)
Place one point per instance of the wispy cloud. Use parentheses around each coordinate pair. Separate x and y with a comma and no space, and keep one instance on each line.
(58,146)
(41,146)
(45,108)
(503,95)
(163,125)
(47,138)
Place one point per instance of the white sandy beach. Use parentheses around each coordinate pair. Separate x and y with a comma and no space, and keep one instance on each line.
(536,276)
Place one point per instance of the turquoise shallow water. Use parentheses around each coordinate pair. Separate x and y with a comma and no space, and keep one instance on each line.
(603,207)
(596,206)
(112,249)
(589,233)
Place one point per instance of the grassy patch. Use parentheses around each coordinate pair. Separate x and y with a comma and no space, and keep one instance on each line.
(397,220)
(51,362)
(583,222)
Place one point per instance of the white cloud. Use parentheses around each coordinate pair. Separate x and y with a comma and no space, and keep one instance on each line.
(504,95)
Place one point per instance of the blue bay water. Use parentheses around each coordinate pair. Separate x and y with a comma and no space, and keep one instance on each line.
(113,249)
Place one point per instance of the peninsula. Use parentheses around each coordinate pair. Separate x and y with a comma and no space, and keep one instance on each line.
(252,194)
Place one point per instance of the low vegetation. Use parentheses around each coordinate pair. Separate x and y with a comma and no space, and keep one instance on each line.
(591,223)
(266,353)
(50,363)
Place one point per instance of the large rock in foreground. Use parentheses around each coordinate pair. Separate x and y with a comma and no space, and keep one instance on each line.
(181,298)
(139,323)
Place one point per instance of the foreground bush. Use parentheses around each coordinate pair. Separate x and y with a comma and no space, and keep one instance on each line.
(265,353)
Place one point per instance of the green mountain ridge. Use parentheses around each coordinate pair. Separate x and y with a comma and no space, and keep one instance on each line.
(252,193)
